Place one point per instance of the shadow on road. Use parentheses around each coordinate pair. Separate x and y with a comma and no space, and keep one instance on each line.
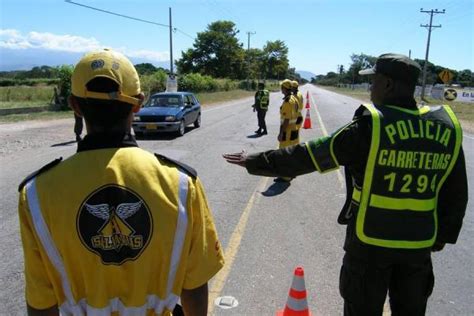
(254,136)
(276,188)
(64,144)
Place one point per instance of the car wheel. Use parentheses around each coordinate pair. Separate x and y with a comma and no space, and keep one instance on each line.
(197,122)
(182,128)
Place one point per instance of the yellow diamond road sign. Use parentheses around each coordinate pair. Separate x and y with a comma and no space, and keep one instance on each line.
(446,75)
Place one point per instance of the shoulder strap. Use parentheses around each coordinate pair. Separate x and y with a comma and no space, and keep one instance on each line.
(39,171)
(182,166)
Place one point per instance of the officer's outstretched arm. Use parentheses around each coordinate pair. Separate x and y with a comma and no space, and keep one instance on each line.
(195,301)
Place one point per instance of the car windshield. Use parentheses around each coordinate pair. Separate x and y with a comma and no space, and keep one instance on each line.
(169,101)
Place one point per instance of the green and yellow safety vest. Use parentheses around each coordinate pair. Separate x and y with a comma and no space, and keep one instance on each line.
(262,99)
(411,154)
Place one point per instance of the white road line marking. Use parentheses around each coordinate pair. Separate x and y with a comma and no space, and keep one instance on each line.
(340,177)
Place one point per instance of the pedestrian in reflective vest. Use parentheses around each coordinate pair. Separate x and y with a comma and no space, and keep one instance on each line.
(262,100)
(406,189)
(114,229)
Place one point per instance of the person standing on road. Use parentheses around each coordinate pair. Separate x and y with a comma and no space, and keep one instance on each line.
(262,100)
(406,189)
(299,97)
(114,229)
(288,134)
(78,126)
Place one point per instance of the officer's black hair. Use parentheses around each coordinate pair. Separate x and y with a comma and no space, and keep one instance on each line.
(105,114)
(261,85)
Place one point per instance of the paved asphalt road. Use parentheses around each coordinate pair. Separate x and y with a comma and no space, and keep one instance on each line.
(266,229)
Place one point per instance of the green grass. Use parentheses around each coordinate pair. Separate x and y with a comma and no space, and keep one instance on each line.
(209,98)
(39,116)
(25,94)
(464,111)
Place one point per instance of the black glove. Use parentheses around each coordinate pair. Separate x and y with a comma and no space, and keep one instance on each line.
(438,246)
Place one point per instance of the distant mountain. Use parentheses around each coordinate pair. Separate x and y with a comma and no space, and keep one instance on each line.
(18,59)
(306,74)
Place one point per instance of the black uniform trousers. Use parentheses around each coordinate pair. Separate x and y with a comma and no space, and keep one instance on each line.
(261,119)
(364,284)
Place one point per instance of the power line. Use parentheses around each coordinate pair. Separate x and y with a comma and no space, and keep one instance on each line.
(429,27)
(175,29)
(117,14)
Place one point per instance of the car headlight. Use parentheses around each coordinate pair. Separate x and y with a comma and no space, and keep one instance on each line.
(136,118)
(170,118)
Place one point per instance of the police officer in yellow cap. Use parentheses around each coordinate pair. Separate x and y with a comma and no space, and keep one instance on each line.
(114,229)
(299,97)
(288,134)
(406,189)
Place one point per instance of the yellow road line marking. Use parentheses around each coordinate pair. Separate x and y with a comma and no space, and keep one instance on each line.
(230,253)
(340,177)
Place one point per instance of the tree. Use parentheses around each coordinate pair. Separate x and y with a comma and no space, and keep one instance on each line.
(276,59)
(255,58)
(465,78)
(359,62)
(145,69)
(216,52)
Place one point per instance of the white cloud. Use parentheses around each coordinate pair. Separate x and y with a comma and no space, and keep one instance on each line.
(13,39)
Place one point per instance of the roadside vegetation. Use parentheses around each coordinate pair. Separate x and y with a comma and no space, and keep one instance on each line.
(463,110)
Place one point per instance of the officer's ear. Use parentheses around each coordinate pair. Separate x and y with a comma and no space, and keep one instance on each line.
(74,105)
(141,97)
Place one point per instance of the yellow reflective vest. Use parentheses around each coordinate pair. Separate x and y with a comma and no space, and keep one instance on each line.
(115,231)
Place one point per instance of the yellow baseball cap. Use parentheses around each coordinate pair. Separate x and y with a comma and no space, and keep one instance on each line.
(109,64)
(294,84)
(286,84)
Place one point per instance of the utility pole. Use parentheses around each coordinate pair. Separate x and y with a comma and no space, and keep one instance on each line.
(171,47)
(431,12)
(248,58)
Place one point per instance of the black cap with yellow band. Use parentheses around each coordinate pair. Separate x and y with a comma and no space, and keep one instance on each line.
(108,64)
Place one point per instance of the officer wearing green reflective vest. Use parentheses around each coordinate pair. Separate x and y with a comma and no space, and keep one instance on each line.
(262,99)
(406,189)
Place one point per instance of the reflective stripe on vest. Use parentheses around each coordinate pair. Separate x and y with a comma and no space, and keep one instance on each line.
(415,216)
(264,99)
(77,308)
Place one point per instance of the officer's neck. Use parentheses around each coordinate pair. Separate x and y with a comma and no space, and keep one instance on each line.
(403,102)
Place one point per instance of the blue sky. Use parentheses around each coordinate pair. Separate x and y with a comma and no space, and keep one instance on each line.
(319,34)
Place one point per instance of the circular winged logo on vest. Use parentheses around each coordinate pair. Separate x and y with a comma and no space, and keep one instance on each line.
(114,223)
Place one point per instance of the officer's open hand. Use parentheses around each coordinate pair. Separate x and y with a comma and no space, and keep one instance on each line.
(236,158)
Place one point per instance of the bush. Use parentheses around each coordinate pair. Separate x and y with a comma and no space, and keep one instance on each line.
(64,86)
(154,83)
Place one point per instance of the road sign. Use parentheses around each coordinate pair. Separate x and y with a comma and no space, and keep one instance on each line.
(446,76)
(450,94)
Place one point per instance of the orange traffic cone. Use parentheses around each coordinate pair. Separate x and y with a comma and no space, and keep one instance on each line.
(307,120)
(297,304)
(307,103)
